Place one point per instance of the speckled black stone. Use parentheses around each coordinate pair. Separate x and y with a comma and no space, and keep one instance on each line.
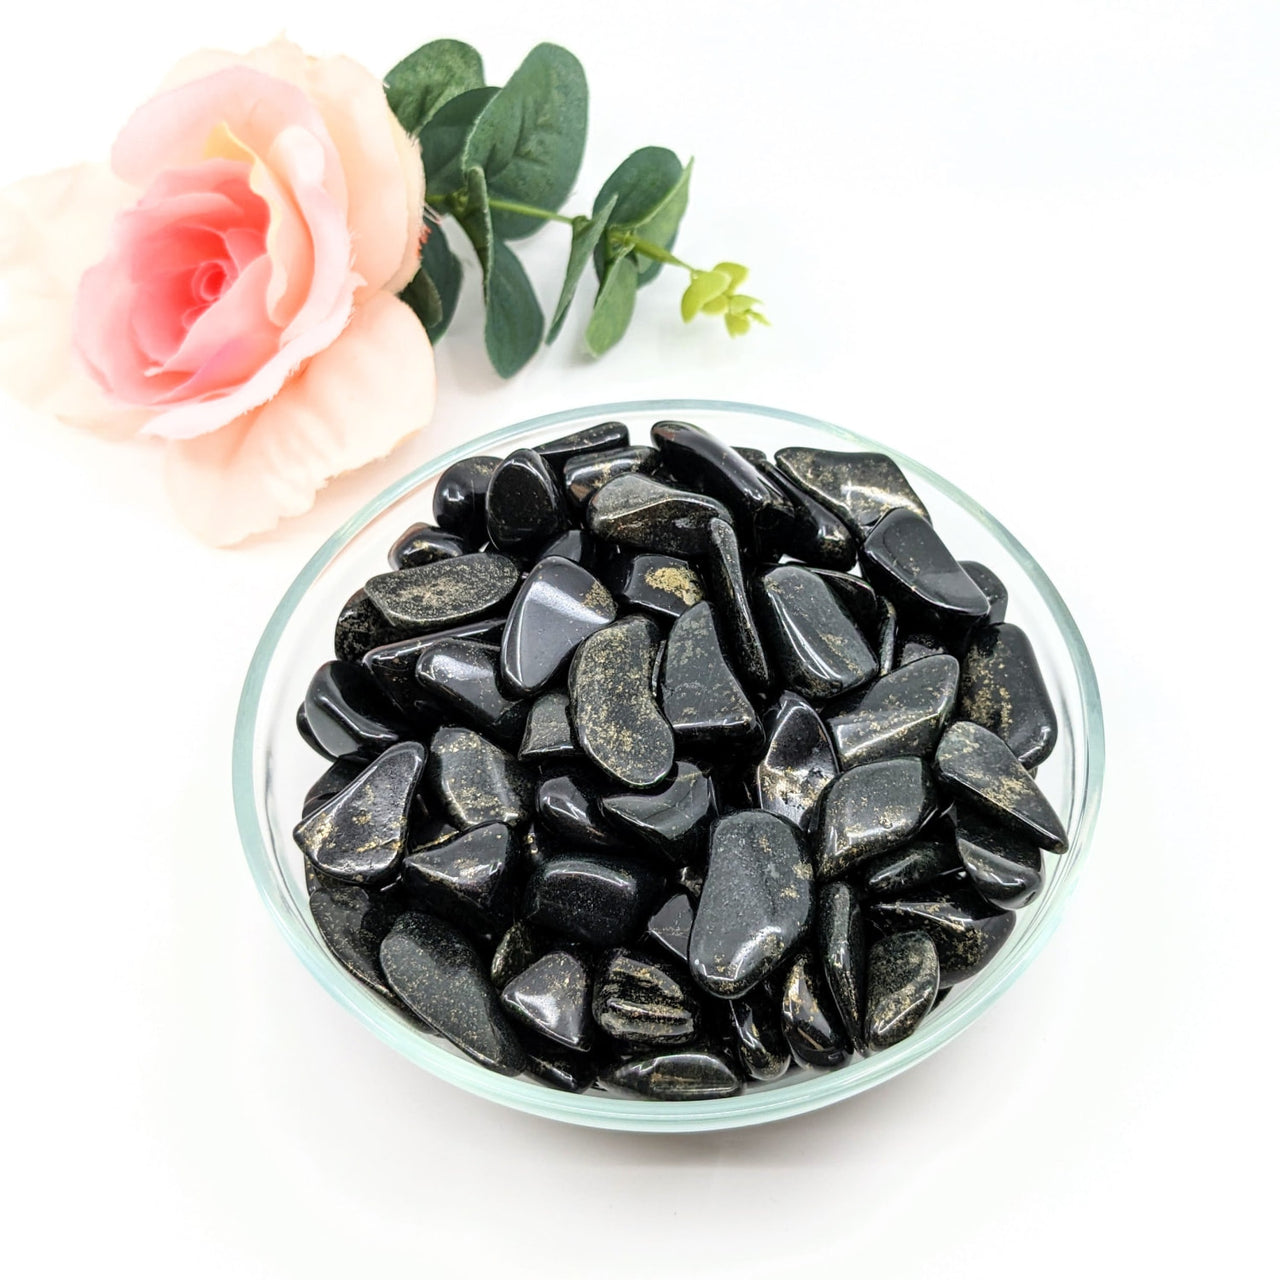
(525,506)
(663,586)
(912,646)
(810,1021)
(813,643)
(701,697)
(966,929)
(915,864)
(841,945)
(557,607)
(473,781)
(423,544)
(816,535)
(553,997)
(798,763)
(560,1068)
(360,627)
(670,924)
(459,502)
(638,511)
(900,714)
(460,677)
(756,1022)
(762,512)
(675,819)
(905,559)
(611,700)
(856,598)
(394,666)
(358,835)
(516,950)
(870,810)
(902,986)
(548,734)
(990,585)
(587,473)
(1005,868)
(685,1075)
(438,974)
(445,592)
(604,435)
(727,589)
(568,804)
(353,921)
(469,879)
(887,636)
(601,899)
(573,544)
(1001,689)
(645,1003)
(756,902)
(976,766)
(859,487)
(340,774)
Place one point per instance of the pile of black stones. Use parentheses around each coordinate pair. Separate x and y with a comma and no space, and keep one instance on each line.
(637,786)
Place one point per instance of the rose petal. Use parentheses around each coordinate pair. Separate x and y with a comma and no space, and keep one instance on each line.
(351,404)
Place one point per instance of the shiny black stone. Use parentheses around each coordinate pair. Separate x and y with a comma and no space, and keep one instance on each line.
(339,775)
(358,835)
(663,586)
(912,646)
(816,535)
(996,592)
(887,634)
(517,949)
(587,473)
(475,782)
(870,810)
(859,487)
(1005,868)
(645,1003)
(461,678)
(573,544)
(638,511)
(537,848)
(459,502)
(756,902)
(353,921)
(761,510)
(436,971)
(903,558)
(394,666)
(569,806)
(360,627)
(978,767)
(727,589)
(756,1021)
(841,945)
(602,900)
(558,606)
(611,700)
(669,926)
(525,506)
(902,986)
(548,735)
(901,870)
(857,599)
(553,997)
(901,714)
(445,592)
(423,543)
(468,879)
(816,648)
(701,697)
(798,764)
(560,1068)
(685,1075)
(674,820)
(966,929)
(305,733)
(427,829)
(604,435)
(1001,689)
(810,1021)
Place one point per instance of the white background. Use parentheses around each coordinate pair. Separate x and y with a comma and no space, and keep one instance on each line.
(1034,245)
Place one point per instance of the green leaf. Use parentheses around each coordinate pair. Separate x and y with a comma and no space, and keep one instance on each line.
(661,225)
(741,303)
(586,234)
(444,137)
(443,271)
(705,287)
(419,85)
(529,139)
(650,184)
(513,318)
(737,325)
(736,272)
(477,222)
(614,304)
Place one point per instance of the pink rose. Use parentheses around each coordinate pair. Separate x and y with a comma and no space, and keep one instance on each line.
(230,284)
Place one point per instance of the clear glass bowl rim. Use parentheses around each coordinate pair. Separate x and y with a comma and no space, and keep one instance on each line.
(605,1110)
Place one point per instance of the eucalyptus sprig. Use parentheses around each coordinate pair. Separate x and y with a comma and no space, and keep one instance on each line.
(501,162)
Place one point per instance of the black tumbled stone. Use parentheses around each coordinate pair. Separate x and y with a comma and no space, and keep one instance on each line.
(353,921)
(444,592)
(525,505)
(727,589)
(756,1022)
(870,810)
(604,435)
(645,1003)
(841,945)
(638,511)
(861,488)
(424,543)
(909,867)
(475,782)
(684,1075)
(469,879)
(798,763)
(568,804)
(548,734)
(602,899)
(460,677)
(1001,689)
(587,473)
(990,585)
(810,1021)
(670,924)
(553,997)
(701,697)
(1005,868)
(674,819)
(815,535)
(459,502)
(360,627)
(902,986)
(394,665)
(663,586)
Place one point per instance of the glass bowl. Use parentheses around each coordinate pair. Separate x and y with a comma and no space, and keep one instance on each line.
(272,767)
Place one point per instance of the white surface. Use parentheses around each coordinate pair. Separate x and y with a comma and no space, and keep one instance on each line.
(1032,245)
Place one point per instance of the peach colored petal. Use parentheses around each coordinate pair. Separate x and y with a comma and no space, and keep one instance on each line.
(52,227)
(351,404)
